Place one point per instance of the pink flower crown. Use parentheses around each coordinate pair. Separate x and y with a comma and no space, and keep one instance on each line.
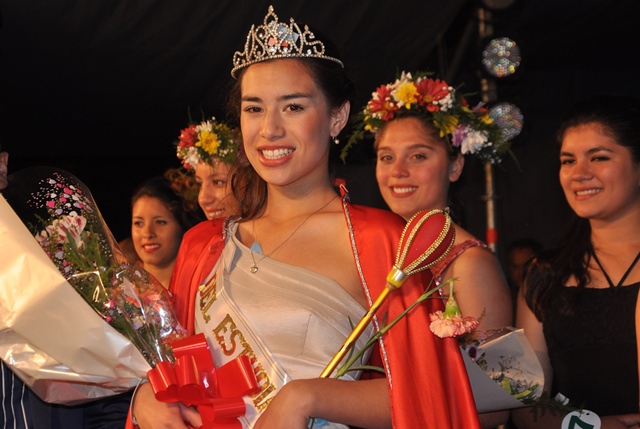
(472,131)
(208,142)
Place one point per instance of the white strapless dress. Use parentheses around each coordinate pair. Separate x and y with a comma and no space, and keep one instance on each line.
(300,317)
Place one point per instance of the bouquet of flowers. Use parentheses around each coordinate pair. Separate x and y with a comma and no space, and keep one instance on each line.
(503,369)
(60,347)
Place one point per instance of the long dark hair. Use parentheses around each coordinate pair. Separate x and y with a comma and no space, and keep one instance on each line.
(250,189)
(617,116)
(161,188)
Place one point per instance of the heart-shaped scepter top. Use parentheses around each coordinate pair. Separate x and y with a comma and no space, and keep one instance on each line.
(425,241)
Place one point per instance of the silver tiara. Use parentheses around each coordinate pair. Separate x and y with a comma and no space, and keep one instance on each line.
(274,39)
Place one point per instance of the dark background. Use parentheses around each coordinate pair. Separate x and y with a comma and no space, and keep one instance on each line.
(102,88)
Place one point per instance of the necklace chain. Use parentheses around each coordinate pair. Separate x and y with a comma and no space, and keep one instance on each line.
(254,267)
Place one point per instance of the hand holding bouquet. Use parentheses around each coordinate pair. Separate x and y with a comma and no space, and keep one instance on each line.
(53,341)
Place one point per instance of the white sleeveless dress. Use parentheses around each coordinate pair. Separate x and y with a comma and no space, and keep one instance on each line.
(291,321)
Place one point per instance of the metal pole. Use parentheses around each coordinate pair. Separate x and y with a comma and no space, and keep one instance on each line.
(488,91)
(492,232)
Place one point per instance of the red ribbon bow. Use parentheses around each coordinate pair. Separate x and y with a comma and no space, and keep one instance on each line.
(194,380)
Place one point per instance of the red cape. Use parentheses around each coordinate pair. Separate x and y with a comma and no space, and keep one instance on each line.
(429,387)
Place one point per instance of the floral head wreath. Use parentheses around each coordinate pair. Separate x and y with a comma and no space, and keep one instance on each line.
(208,142)
(471,130)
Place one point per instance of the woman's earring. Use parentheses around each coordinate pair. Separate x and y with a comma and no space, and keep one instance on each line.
(335,140)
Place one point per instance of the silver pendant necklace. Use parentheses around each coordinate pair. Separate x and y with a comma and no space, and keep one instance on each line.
(255,247)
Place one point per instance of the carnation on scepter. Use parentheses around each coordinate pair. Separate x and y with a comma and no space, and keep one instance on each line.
(451,322)
(384,328)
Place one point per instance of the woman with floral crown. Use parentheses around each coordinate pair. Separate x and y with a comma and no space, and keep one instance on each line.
(288,275)
(423,130)
(579,303)
(208,150)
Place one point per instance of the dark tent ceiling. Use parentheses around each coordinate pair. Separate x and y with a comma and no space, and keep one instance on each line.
(129,68)
(102,88)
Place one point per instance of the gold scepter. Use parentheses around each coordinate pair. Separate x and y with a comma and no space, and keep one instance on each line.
(425,240)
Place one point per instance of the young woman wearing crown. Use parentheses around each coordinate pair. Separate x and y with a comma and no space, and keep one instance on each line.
(291,271)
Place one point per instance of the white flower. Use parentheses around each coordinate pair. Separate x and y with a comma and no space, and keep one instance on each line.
(191,157)
(474,141)
(205,126)
(447,102)
(57,231)
(404,77)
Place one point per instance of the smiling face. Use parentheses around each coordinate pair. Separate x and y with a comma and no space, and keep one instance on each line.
(286,123)
(414,168)
(155,232)
(600,179)
(215,196)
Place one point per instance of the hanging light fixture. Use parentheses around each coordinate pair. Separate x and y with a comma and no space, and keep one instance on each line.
(501,57)
(508,118)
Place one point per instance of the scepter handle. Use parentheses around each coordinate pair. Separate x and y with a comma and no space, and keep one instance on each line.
(357,331)
(418,249)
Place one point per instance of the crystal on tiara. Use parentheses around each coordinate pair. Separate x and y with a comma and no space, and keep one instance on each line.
(274,39)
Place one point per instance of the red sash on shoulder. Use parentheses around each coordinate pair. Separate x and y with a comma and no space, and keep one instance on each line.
(200,249)
(429,383)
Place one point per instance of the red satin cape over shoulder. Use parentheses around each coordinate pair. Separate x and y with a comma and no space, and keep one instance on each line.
(429,386)
(199,251)
(428,383)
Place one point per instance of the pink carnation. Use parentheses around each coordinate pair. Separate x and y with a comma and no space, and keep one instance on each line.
(451,326)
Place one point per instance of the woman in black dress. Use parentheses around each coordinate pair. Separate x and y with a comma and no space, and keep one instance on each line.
(578,304)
